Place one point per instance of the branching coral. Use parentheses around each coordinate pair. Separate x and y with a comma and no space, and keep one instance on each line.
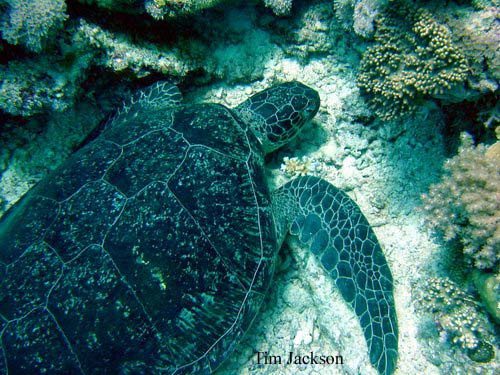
(294,167)
(466,203)
(482,4)
(161,9)
(32,23)
(413,58)
(458,317)
(279,7)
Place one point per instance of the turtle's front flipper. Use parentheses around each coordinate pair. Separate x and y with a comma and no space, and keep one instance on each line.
(332,225)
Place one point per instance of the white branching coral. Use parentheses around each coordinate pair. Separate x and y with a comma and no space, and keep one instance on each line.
(458,317)
(279,7)
(294,167)
(466,203)
(160,9)
(31,23)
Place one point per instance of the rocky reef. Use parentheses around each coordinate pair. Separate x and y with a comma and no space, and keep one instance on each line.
(408,127)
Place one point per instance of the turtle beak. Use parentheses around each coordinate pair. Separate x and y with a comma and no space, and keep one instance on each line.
(306,101)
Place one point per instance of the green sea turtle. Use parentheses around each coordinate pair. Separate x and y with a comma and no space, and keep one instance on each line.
(150,249)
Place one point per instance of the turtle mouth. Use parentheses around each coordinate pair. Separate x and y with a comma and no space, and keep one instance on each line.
(311,106)
(307,114)
(310,112)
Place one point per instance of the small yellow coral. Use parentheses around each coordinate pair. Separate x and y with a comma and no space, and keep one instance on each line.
(413,57)
(458,317)
(293,167)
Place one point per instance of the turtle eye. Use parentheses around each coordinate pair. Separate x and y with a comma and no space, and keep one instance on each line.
(295,118)
(299,102)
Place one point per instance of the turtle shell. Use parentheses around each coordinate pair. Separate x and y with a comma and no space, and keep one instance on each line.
(149,250)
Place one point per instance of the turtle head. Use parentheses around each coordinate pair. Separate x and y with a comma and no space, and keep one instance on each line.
(277,114)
